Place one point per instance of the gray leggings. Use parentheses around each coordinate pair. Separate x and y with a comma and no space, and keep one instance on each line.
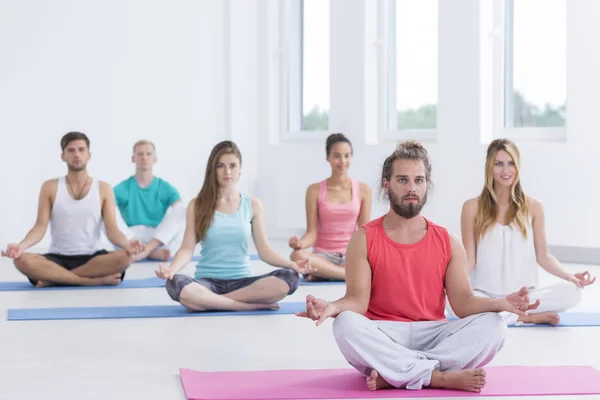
(224,286)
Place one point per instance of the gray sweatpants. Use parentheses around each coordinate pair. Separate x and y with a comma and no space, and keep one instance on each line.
(406,353)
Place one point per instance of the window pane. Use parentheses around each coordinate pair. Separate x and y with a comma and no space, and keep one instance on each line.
(413,59)
(315,65)
(537,97)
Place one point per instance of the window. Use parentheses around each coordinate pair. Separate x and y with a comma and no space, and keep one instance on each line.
(308,63)
(535,63)
(411,65)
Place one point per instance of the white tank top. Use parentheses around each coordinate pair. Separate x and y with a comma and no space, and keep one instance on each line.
(505,261)
(75,225)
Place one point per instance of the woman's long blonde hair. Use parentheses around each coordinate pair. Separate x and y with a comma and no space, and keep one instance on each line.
(487,211)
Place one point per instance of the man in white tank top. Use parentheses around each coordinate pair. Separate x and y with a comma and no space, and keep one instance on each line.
(75,206)
(150,208)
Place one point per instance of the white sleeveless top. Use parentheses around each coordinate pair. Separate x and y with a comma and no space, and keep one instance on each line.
(506,261)
(75,225)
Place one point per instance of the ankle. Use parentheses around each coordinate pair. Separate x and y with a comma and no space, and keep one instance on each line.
(437,378)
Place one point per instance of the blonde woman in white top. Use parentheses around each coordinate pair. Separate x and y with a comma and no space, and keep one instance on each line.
(504,235)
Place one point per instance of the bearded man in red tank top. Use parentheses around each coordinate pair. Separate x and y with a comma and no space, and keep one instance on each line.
(390,325)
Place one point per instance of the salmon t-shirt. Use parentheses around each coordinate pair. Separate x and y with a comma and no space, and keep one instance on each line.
(407,281)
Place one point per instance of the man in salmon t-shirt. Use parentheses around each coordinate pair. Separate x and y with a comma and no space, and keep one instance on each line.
(390,325)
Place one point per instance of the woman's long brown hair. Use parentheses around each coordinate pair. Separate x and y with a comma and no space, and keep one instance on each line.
(206,201)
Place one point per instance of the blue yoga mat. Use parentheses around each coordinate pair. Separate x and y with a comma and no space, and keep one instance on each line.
(572,319)
(566,319)
(126,284)
(253,257)
(153,282)
(26,314)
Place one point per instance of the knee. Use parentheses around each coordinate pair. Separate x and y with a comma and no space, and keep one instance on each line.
(178,210)
(290,277)
(175,285)
(297,255)
(22,263)
(571,295)
(123,262)
(495,328)
(345,324)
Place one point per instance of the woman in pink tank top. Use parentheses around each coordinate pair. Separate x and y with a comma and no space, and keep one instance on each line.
(335,207)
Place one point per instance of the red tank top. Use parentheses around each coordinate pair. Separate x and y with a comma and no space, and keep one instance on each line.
(407,279)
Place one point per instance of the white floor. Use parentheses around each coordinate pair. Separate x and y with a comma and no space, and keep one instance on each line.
(140,358)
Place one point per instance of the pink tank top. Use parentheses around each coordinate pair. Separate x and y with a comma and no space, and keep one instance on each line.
(407,282)
(337,222)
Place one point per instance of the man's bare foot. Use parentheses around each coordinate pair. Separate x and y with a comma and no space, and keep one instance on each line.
(42,284)
(376,382)
(160,254)
(470,380)
(110,280)
(547,317)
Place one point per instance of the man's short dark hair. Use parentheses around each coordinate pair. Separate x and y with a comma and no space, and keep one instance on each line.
(72,136)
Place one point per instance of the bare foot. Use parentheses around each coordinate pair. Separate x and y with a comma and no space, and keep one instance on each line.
(376,382)
(42,284)
(139,256)
(110,280)
(547,317)
(470,380)
(160,254)
(312,278)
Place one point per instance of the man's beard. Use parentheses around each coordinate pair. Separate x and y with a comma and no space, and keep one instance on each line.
(409,210)
(75,168)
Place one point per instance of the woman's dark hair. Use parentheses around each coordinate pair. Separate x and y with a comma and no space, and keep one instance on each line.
(335,138)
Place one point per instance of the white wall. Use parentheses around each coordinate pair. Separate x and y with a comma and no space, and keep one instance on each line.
(562,175)
(118,71)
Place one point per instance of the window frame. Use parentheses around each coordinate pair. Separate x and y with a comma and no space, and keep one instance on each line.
(291,71)
(387,79)
(503,88)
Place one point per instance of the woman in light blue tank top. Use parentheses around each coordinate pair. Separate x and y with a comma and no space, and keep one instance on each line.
(223,221)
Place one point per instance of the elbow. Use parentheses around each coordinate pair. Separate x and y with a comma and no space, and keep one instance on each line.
(362,309)
(359,306)
(310,235)
(542,259)
(40,229)
(265,254)
(458,308)
(113,235)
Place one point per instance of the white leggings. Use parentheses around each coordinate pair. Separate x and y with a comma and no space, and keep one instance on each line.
(557,298)
(169,232)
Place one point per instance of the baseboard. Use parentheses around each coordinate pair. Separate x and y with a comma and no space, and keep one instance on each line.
(576,255)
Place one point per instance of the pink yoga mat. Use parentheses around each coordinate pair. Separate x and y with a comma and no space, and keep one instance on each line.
(349,384)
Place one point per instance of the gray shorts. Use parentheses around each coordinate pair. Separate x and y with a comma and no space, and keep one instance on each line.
(224,286)
(335,258)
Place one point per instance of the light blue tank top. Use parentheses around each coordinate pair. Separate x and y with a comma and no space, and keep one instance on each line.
(224,253)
